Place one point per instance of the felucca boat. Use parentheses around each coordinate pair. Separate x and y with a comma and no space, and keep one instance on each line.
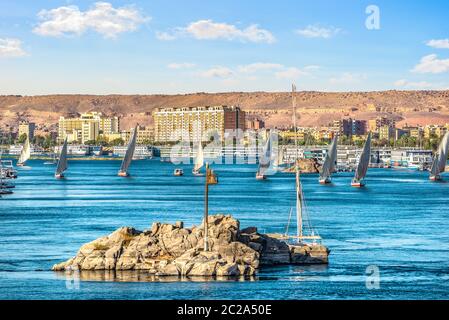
(62,162)
(25,154)
(305,247)
(123,172)
(362,167)
(264,161)
(440,159)
(330,162)
(199,161)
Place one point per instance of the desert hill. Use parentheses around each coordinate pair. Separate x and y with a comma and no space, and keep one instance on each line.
(315,108)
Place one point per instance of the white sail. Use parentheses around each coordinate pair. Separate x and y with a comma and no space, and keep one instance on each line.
(265,159)
(129,153)
(199,159)
(330,160)
(25,154)
(443,152)
(62,163)
(364,160)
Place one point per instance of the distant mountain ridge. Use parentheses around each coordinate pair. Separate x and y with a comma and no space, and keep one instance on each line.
(315,108)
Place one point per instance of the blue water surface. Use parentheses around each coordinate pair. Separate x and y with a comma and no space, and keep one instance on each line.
(398,225)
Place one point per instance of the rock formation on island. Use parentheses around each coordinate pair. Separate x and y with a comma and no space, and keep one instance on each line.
(172,250)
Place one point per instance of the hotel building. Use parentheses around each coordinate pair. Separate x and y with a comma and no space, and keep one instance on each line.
(87,127)
(27,128)
(170,123)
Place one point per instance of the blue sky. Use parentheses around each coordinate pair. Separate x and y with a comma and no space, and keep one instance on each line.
(143,47)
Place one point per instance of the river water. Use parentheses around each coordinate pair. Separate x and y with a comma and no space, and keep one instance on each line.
(389,240)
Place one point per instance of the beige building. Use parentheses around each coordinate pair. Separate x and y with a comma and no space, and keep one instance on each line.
(144,135)
(27,128)
(171,123)
(87,127)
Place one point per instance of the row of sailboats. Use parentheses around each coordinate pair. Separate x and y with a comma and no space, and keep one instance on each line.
(124,168)
(329,164)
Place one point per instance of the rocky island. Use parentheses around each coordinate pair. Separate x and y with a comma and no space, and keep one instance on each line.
(172,250)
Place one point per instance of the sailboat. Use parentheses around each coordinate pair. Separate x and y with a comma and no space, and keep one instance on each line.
(363,164)
(199,161)
(302,251)
(62,163)
(25,154)
(440,159)
(123,172)
(279,161)
(329,162)
(264,161)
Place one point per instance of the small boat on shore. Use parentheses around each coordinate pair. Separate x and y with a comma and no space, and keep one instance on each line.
(362,166)
(440,159)
(330,162)
(178,172)
(62,163)
(123,172)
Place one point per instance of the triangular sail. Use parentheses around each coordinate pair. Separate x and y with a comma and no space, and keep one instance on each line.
(199,159)
(129,152)
(265,160)
(330,160)
(443,152)
(62,163)
(364,160)
(25,154)
(435,170)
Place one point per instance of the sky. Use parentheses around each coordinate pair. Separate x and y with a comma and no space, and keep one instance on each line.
(179,46)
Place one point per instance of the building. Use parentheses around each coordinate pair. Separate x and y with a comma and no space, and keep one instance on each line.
(87,127)
(144,135)
(375,124)
(386,132)
(171,123)
(255,124)
(27,128)
(349,127)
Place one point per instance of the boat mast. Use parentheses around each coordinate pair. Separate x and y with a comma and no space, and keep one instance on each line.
(298,185)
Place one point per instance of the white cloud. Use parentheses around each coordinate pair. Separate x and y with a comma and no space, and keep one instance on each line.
(10,48)
(102,18)
(316,31)
(259,66)
(210,30)
(290,73)
(348,77)
(439,44)
(408,84)
(431,64)
(165,36)
(183,65)
(217,72)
